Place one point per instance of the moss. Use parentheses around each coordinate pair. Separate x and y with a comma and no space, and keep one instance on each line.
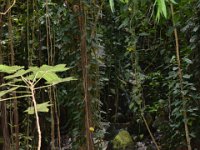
(122,140)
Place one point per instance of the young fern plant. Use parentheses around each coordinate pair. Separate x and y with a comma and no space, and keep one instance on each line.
(19,78)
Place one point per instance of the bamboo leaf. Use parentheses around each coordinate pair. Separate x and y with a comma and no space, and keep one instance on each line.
(161,9)
(112,6)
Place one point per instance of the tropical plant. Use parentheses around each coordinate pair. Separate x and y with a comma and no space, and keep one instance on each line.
(30,78)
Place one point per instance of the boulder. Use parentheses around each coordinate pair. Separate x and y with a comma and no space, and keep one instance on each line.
(122,140)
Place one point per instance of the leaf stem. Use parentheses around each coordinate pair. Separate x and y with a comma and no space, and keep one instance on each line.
(36,115)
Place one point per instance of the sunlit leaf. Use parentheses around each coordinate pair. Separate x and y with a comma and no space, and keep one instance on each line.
(59,68)
(161,9)
(61,80)
(18,74)
(51,77)
(112,6)
(43,107)
(2,93)
(9,69)
(173,1)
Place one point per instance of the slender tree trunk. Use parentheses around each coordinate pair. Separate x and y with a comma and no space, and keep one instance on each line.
(4,121)
(184,101)
(50,53)
(84,63)
(12,57)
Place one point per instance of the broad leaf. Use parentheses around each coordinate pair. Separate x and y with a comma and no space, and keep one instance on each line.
(18,74)
(57,68)
(62,80)
(9,69)
(2,93)
(43,107)
(51,77)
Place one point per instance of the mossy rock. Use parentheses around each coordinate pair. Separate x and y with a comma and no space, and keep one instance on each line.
(122,140)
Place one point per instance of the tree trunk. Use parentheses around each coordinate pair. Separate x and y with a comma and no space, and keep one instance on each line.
(12,58)
(84,63)
(4,121)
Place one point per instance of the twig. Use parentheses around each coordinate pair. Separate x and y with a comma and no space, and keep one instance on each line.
(4,13)
(5,99)
(152,137)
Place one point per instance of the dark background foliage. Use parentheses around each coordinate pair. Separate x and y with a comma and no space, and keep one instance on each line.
(132,70)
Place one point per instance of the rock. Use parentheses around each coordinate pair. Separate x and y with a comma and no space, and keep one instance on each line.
(122,140)
(141,146)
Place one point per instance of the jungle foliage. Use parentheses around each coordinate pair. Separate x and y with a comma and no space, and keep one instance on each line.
(134,65)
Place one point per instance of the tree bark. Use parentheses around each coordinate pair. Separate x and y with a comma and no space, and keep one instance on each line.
(84,64)
(4,121)
(12,58)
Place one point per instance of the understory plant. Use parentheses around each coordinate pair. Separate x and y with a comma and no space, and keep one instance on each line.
(27,82)
(174,104)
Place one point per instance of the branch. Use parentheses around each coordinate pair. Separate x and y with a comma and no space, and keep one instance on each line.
(5,99)
(152,137)
(4,13)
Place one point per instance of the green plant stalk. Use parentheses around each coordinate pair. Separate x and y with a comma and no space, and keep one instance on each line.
(150,133)
(187,135)
(36,115)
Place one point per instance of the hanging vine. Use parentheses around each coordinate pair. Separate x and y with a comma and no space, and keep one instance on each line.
(180,74)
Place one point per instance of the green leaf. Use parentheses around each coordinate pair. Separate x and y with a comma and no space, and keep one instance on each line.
(47,72)
(51,77)
(173,1)
(112,6)
(161,9)
(43,107)
(59,68)
(124,1)
(18,74)
(188,61)
(62,80)
(2,93)
(9,69)
(186,76)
